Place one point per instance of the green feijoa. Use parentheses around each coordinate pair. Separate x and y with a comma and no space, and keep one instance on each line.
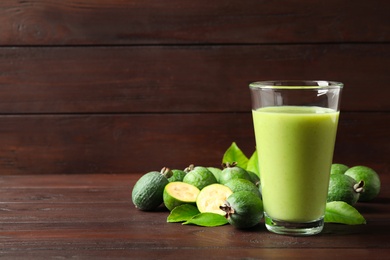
(338,168)
(254,178)
(232,171)
(147,193)
(216,172)
(372,182)
(211,197)
(243,209)
(177,193)
(177,175)
(344,188)
(243,185)
(199,176)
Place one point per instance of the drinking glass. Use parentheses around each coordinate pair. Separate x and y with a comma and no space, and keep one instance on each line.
(295,124)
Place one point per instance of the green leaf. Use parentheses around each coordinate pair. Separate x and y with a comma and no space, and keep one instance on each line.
(234,154)
(182,213)
(207,219)
(253,164)
(343,213)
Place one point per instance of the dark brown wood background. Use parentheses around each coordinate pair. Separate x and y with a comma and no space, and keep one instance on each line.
(115,86)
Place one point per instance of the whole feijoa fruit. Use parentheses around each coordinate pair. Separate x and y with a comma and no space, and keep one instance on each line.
(216,171)
(344,188)
(243,185)
(199,176)
(232,171)
(372,183)
(177,175)
(244,209)
(147,193)
(338,168)
(254,178)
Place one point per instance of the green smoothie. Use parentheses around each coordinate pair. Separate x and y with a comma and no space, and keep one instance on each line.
(295,148)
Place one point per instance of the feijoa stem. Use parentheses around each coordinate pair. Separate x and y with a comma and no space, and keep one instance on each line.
(189,168)
(359,187)
(166,172)
(228,209)
(229,164)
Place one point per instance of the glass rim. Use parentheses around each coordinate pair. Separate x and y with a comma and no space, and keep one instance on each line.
(296,84)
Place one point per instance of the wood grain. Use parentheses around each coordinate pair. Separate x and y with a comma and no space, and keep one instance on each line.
(48,144)
(95,93)
(79,225)
(182,78)
(129,86)
(113,22)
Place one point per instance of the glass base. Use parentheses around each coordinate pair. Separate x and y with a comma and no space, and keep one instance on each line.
(292,228)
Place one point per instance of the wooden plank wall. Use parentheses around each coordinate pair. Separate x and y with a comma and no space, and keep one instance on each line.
(111,86)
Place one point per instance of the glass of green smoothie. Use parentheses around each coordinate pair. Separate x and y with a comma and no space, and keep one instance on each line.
(295,123)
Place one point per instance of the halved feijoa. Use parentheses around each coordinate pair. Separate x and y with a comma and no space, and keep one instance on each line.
(211,197)
(178,193)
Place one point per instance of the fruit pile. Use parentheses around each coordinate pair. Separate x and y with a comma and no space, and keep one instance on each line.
(358,183)
(210,196)
(213,196)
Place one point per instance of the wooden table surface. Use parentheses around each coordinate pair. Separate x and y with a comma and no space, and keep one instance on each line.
(91,216)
